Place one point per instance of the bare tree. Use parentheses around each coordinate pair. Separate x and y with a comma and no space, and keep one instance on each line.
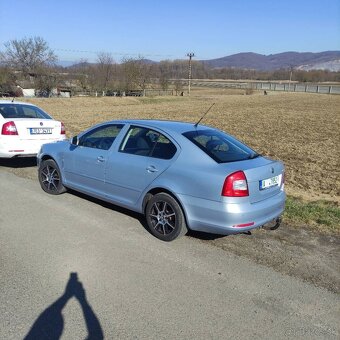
(178,86)
(136,73)
(105,68)
(45,81)
(83,74)
(7,81)
(164,68)
(28,54)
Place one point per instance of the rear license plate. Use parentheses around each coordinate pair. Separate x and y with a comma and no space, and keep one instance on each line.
(40,131)
(269,182)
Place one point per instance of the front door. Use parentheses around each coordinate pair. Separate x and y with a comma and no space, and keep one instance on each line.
(85,163)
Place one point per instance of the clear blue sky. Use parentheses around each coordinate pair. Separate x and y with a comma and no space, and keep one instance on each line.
(160,29)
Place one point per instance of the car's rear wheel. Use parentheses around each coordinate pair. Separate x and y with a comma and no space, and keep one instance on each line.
(165,217)
(50,178)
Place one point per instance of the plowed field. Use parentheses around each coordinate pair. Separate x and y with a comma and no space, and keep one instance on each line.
(300,129)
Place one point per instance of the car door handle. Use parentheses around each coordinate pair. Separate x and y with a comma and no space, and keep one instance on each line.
(151,168)
(100,159)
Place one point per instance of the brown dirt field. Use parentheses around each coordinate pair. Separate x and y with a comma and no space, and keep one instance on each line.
(300,129)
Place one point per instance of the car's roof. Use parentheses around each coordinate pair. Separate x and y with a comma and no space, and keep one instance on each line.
(4,101)
(166,125)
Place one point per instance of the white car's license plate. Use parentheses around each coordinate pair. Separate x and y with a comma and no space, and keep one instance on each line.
(40,131)
(270,182)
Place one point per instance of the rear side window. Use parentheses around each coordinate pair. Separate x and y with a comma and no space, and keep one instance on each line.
(146,142)
(22,111)
(220,146)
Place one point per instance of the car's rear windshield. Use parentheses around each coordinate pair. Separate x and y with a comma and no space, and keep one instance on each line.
(220,146)
(22,111)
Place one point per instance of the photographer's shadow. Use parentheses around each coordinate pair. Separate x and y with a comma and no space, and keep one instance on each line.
(50,323)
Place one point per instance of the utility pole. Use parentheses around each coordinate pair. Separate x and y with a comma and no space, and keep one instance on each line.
(290,77)
(190,55)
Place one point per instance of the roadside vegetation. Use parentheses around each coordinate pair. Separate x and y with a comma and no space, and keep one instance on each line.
(322,216)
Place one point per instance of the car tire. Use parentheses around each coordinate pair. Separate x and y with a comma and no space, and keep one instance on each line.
(50,178)
(165,217)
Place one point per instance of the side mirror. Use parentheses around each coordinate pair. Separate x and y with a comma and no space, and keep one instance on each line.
(75,140)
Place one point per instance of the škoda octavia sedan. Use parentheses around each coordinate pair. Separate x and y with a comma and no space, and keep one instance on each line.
(179,175)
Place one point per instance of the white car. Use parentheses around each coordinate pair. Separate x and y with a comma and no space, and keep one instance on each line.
(24,128)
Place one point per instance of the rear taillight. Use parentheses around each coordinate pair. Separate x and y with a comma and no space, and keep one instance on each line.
(235,185)
(63,130)
(9,128)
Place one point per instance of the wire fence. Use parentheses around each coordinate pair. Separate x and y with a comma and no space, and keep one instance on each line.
(260,86)
(271,86)
(131,93)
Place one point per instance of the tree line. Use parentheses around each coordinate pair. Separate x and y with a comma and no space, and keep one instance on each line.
(32,60)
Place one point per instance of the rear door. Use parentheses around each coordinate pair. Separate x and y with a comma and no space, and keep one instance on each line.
(143,155)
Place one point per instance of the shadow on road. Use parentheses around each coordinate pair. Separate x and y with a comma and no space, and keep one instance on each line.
(50,323)
(24,162)
(111,206)
(140,217)
(204,236)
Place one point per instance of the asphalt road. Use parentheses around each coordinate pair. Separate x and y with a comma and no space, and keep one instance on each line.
(125,284)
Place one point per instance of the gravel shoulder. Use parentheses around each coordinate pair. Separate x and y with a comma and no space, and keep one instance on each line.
(294,250)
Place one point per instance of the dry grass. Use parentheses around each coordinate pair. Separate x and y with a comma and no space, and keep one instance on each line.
(300,129)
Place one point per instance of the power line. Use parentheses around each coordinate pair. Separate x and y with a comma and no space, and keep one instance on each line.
(114,53)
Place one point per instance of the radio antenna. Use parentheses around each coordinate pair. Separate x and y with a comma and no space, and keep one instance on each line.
(204,114)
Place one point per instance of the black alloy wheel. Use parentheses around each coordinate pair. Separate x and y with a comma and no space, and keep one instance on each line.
(49,177)
(165,217)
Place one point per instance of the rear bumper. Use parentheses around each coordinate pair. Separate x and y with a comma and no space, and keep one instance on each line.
(22,148)
(226,218)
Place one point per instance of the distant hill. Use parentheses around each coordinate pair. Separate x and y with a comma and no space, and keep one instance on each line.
(329,60)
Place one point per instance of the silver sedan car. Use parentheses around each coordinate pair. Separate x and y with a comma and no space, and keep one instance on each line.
(179,175)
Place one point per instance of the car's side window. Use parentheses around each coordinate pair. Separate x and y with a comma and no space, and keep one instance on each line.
(101,137)
(146,142)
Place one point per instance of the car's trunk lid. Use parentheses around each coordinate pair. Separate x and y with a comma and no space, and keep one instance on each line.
(34,129)
(265,181)
(264,177)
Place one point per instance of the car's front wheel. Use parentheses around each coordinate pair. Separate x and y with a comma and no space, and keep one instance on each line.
(50,178)
(165,217)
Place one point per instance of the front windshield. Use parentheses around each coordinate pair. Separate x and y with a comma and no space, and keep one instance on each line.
(10,110)
(220,146)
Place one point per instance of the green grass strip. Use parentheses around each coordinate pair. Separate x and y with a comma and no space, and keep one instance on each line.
(322,215)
